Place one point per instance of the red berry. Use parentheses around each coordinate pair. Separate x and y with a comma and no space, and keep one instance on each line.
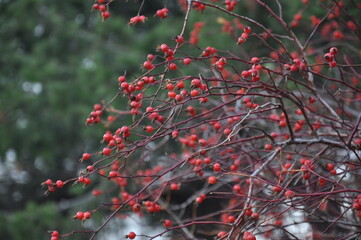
(149,129)
(121,79)
(328,57)
(289,194)
(333,64)
(49,182)
(268,146)
(162,13)
(106,151)
(255,216)
(97,192)
(86,156)
(194,93)
(148,65)
(333,50)
(172,66)
(179,39)
(131,235)
(277,189)
(113,174)
(221,234)
(330,166)
(79,215)
(217,167)
(102,8)
(241,40)
(167,223)
(87,181)
(212,180)
(59,184)
(255,60)
(187,61)
(248,236)
(106,14)
(175,134)
(87,215)
(247,29)
(174,186)
(172,94)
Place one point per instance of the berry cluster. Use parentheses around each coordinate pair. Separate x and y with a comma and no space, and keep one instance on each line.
(102,7)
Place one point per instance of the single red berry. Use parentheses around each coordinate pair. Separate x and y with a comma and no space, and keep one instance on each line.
(48,182)
(59,184)
(248,236)
(328,57)
(86,156)
(248,212)
(131,235)
(333,64)
(194,93)
(268,146)
(102,8)
(107,137)
(255,60)
(148,65)
(172,94)
(167,223)
(106,151)
(106,14)
(175,134)
(330,166)
(255,216)
(97,192)
(221,234)
(174,186)
(55,234)
(149,129)
(217,167)
(277,189)
(179,39)
(187,61)
(311,100)
(247,29)
(212,180)
(87,215)
(164,47)
(113,174)
(79,215)
(178,98)
(241,40)
(121,79)
(87,181)
(333,51)
(172,66)
(289,194)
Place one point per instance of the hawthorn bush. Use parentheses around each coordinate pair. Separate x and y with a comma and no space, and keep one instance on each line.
(255,138)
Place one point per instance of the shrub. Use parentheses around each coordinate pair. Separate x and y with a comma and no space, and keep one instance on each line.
(263,125)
